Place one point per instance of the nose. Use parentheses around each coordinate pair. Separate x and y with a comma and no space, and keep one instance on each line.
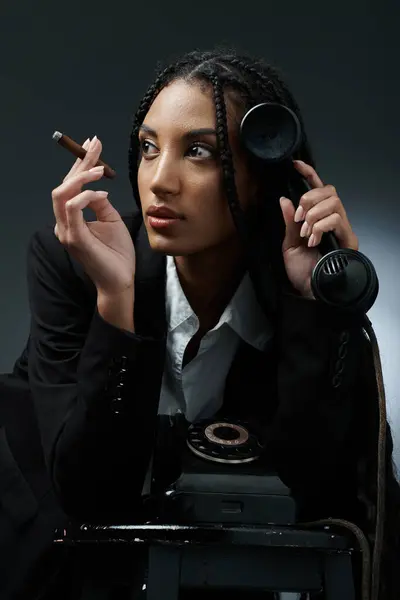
(166,178)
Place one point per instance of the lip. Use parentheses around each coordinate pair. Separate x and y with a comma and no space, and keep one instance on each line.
(162,222)
(162,212)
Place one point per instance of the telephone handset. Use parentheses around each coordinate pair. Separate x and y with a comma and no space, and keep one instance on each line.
(343,278)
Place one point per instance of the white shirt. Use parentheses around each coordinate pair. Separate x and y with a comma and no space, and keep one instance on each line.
(197,389)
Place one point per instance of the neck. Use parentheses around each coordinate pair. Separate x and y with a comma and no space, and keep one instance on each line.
(209,279)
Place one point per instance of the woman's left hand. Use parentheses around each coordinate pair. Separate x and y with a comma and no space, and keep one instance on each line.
(320,210)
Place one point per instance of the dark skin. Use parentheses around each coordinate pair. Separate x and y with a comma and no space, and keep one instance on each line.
(180,169)
(184,174)
(208,307)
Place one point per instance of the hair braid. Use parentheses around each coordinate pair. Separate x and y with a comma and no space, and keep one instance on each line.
(146,102)
(228,170)
(163,77)
(273,89)
(271,82)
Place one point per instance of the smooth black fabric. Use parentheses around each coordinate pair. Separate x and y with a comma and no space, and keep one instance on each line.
(29,512)
(97,460)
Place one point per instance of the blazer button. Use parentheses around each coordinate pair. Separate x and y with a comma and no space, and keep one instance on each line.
(119,363)
(116,381)
(117,405)
(123,362)
(117,367)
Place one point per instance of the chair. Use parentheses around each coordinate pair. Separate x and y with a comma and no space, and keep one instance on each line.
(231,557)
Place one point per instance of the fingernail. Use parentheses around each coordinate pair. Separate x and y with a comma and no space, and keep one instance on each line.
(312,240)
(299,214)
(96,169)
(305,230)
(93,143)
(102,194)
(86,143)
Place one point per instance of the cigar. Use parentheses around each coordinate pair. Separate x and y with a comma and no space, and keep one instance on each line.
(77,150)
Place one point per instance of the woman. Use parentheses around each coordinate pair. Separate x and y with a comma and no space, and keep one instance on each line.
(130,315)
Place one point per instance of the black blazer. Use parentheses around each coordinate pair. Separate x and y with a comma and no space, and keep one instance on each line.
(29,512)
(96,388)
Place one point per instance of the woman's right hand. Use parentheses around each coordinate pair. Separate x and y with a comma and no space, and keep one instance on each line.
(103,247)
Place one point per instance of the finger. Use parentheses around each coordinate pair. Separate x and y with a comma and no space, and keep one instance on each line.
(78,161)
(70,188)
(341,228)
(292,234)
(313,198)
(309,173)
(74,214)
(98,202)
(319,211)
(92,155)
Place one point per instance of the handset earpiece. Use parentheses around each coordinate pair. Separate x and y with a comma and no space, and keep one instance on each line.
(342,278)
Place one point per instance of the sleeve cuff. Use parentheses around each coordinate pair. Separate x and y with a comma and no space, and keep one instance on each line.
(107,351)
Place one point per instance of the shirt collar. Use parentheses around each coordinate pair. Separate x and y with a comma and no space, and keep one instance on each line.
(243,314)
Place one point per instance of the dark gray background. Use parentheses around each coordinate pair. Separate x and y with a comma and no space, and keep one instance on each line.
(83,68)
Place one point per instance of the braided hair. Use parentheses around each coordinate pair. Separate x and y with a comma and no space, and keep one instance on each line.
(253,82)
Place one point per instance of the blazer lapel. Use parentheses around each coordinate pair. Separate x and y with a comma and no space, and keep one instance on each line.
(150,276)
(250,390)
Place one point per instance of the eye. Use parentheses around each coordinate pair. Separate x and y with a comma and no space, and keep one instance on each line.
(147,148)
(201,151)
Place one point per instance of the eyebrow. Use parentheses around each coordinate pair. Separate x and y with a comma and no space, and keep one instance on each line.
(188,135)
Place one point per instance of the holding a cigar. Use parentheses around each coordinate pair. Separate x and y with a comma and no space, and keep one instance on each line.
(104,246)
(80,152)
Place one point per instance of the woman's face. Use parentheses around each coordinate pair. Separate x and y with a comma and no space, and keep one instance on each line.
(180,171)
